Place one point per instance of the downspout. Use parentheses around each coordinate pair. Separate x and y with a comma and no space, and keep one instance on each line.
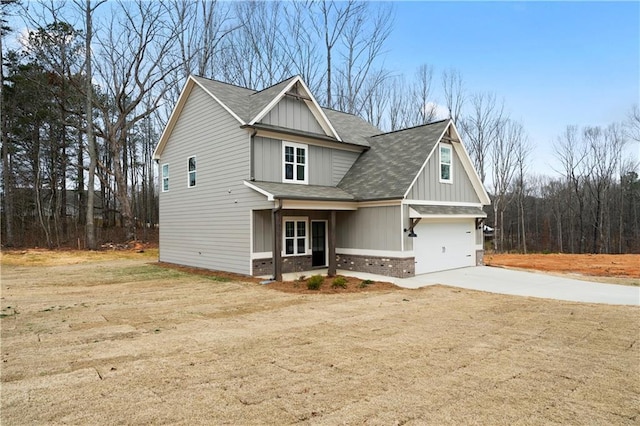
(252,176)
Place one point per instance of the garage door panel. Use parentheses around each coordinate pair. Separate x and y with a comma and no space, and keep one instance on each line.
(444,245)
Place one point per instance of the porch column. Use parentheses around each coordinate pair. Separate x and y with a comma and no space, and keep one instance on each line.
(277,243)
(332,244)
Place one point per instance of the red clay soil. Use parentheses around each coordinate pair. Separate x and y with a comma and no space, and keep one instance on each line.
(601,265)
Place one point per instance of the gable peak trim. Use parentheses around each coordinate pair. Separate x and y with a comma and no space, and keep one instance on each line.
(311,103)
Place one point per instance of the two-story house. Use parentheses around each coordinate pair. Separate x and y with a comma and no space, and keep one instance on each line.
(266,182)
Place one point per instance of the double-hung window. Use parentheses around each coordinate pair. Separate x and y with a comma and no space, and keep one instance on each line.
(295,160)
(165,177)
(295,236)
(191,178)
(445,164)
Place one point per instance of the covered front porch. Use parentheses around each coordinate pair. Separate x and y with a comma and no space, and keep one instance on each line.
(299,232)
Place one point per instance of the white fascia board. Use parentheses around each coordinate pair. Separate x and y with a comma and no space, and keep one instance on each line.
(317,112)
(440,203)
(377,253)
(222,104)
(415,178)
(173,118)
(468,166)
(381,203)
(260,190)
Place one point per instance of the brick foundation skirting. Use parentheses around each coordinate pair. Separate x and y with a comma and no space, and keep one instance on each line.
(479,257)
(389,266)
(400,267)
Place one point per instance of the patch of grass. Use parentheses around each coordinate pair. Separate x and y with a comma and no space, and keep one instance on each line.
(218,279)
(315,282)
(339,282)
(365,283)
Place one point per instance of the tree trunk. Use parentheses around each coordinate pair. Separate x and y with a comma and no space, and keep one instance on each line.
(6,169)
(91,143)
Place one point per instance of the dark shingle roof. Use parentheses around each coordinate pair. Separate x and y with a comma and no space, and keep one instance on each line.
(388,168)
(352,129)
(449,210)
(292,191)
(247,103)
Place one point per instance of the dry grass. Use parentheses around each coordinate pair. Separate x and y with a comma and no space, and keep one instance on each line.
(103,341)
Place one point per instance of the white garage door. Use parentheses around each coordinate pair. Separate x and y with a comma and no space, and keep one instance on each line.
(442,245)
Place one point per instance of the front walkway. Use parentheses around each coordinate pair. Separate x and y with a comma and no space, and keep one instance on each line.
(511,282)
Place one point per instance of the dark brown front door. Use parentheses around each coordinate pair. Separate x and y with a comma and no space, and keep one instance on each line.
(318,243)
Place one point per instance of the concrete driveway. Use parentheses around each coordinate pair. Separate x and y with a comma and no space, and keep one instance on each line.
(520,283)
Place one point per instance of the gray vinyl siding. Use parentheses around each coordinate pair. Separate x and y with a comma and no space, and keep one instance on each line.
(293,114)
(428,186)
(326,166)
(370,228)
(207,226)
(407,241)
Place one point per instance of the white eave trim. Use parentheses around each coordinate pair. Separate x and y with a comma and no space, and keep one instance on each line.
(222,104)
(313,105)
(441,203)
(414,215)
(463,155)
(269,195)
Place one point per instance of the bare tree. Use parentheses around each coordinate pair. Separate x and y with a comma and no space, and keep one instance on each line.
(136,58)
(425,108)
(454,93)
(7,178)
(482,127)
(334,17)
(361,46)
(572,154)
(504,165)
(521,154)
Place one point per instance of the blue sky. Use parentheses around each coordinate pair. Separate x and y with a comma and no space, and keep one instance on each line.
(554,63)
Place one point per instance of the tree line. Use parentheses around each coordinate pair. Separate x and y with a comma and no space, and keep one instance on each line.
(86,93)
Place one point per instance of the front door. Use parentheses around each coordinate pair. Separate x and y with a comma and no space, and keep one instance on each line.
(318,243)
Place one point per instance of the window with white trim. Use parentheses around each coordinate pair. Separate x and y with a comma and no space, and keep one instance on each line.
(445,164)
(191,178)
(295,235)
(165,177)
(294,163)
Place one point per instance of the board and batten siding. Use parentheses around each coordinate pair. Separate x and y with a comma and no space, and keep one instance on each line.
(263,231)
(428,186)
(207,226)
(327,166)
(293,114)
(369,228)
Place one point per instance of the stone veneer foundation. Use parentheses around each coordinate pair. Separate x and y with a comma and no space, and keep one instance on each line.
(389,266)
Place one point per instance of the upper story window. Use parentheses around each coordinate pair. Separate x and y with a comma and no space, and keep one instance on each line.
(294,161)
(192,172)
(445,164)
(165,177)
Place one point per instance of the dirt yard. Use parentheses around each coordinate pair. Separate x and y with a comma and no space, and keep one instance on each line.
(117,338)
(616,268)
